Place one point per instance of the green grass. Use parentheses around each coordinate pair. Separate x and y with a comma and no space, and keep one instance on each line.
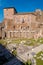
(14,53)
(28,62)
(39,53)
(40,40)
(19,40)
(39,61)
(2,41)
(32,41)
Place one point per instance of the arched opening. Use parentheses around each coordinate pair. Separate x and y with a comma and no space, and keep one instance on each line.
(0,37)
(5,35)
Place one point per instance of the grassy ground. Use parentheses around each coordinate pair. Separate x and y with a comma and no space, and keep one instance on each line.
(18,40)
(2,41)
(29,42)
(40,40)
(34,42)
(39,61)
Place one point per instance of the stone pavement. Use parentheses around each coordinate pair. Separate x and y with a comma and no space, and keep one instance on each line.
(29,54)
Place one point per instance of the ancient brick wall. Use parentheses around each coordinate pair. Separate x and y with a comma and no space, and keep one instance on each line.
(9,13)
(23,25)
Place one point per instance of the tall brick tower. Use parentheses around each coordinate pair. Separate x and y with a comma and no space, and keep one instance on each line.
(9,12)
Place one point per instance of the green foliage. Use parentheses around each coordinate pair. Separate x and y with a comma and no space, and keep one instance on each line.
(33,42)
(14,53)
(28,62)
(2,41)
(39,53)
(40,40)
(39,61)
(18,40)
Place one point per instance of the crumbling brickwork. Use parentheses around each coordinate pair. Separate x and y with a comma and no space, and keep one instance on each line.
(23,25)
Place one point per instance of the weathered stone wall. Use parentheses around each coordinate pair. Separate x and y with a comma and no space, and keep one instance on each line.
(9,13)
(22,25)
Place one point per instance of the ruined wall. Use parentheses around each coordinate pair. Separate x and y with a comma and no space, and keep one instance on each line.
(22,25)
(9,13)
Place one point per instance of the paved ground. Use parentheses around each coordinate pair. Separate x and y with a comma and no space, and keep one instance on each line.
(24,53)
(31,52)
(6,58)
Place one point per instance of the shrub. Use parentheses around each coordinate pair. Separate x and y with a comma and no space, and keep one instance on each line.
(14,53)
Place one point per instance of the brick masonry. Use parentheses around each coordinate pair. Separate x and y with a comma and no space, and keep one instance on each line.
(22,25)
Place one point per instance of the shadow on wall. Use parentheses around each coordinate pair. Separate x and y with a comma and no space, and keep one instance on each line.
(6,58)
